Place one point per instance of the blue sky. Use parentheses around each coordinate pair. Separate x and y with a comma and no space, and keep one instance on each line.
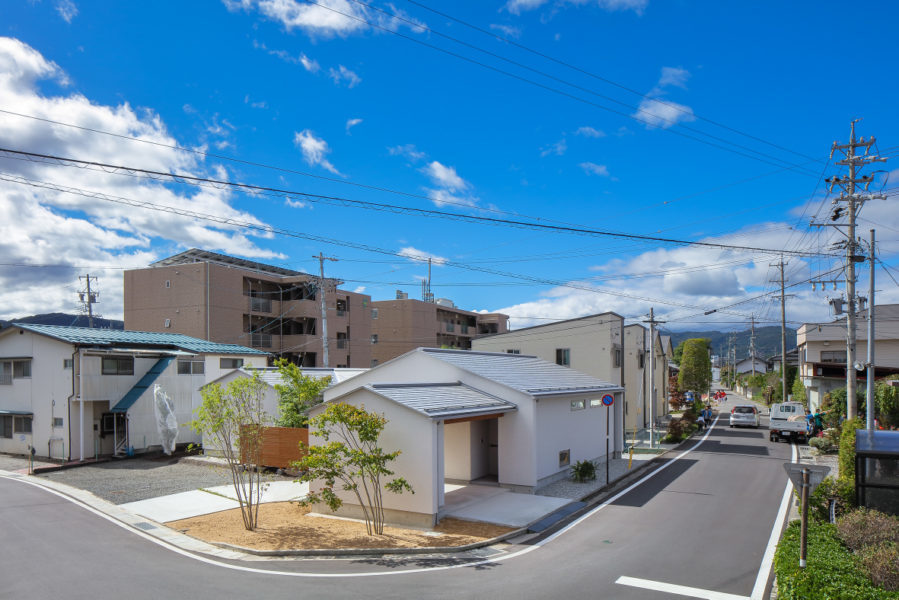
(686,120)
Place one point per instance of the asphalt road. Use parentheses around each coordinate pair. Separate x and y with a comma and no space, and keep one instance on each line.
(702,522)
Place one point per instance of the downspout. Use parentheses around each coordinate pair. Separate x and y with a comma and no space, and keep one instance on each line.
(68,412)
(80,409)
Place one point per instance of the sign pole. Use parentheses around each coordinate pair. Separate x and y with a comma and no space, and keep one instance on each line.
(803,535)
(607,444)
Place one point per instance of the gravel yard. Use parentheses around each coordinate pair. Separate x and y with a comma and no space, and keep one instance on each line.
(129,480)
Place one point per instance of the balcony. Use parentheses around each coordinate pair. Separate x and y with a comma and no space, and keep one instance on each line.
(261,340)
(260,304)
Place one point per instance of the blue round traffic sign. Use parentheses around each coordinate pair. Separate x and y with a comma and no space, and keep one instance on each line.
(608,400)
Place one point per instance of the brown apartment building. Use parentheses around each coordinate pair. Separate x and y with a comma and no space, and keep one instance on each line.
(403,324)
(231,300)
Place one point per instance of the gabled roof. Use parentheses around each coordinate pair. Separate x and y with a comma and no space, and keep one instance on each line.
(117,338)
(521,372)
(443,400)
(272,377)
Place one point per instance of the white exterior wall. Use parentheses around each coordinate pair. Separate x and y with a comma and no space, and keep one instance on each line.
(45,394)
(420,441)
(583,432)
(458,451)
(636,381)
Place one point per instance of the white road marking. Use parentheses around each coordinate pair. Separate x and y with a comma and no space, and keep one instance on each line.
(761,579)
(681,590)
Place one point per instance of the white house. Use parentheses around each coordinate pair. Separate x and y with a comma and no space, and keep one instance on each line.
(72,392)
(754,363)
(464,416)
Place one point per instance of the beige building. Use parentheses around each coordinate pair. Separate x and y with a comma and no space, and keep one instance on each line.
(822,351)
(230,300)
(404,324)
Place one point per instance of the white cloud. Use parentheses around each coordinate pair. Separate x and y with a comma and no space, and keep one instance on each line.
(507,30)
(294,203)
(67,10)
(343,75)
(445,176)
(307,63)
(409,151)
(517,6)
(595,169)
(359,290)
(351,123)
(557,148)
(675,76)
(421,256)
(655,111)
(638,6)
(314,150)
(443,197)
(43,226)
(587,131)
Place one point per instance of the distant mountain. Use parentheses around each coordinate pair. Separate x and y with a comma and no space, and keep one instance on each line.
(65,319)
(767,340)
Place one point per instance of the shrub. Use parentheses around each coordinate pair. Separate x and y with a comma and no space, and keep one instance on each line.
(583,470)
(824,444)
(832,572)
(841,492)
(847,449)
(863,527)
(881,561)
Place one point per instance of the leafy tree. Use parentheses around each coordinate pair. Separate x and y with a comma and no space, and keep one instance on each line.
(297,395)
(886,398)
(679,353)
(695,367)
(352,457)
(798,391)
(234,417)
(676,397)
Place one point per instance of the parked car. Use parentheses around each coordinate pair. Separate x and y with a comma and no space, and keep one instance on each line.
(745,415)
(788,422)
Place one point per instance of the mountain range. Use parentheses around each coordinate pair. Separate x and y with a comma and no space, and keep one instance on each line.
(767,340)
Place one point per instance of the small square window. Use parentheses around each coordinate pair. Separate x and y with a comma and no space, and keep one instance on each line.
(117,365)
(230,363)
(565,458)
(374,313)
(58,422)
(22,425)
(68,363)
(374,362)
(168,283)
(578,404)
(21,369)
(513,351)
(374,338)
(191,366)
(563,357)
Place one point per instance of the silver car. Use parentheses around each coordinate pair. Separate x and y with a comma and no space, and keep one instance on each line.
(744,415)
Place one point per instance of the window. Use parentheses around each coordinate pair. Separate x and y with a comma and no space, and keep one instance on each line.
(578,404)
(191,366)
(513,351)
(374,362)
(565,458)
(374,313)
(168,323)
(833,356)
(463,327)
(6,372)
(450,326)
(21,424)
(5,427)
(168,283)
(58,422)
(118,365)
(563,357)
(640,360)
(616,356)
(230,363)
(594,402)
(68,363)
(21,369)
(374,338)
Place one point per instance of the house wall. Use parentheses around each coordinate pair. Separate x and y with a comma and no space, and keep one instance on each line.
(458,451)
(45,393)
(583,432)
(636,378)
(420,441)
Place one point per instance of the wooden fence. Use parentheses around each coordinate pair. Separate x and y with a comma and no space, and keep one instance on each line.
(280,446)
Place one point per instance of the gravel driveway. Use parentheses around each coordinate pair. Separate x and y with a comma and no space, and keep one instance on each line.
(135,479)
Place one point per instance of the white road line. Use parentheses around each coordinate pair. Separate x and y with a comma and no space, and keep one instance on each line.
(761,579)
(681,590)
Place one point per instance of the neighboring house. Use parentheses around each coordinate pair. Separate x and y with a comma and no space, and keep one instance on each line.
(73,392)
(230,300)
(753,364)
(403,324)
(822,351)
(463,416)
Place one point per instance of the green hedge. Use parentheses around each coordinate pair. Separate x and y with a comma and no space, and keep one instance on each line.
(833,572)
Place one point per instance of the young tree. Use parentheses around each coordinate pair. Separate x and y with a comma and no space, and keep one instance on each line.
(798,391)
(676,397)
(352,457)
(297,395)
(233,418)
(696,367)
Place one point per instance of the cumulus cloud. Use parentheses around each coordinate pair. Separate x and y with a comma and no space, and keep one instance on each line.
(444,176)
(67,10)
(656,111)
(39,225)
(342,75)
(417,255)
(595,169)
(351,123)
(590,132)
(315,150)
(557,148)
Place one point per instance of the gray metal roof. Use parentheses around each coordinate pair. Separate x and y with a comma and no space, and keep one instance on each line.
(443,400)
(117,338)
(521,372)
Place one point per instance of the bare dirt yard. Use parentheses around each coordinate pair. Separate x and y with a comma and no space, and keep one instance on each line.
(288,526)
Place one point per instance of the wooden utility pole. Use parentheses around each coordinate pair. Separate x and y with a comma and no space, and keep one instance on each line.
(321,291)
(652,380)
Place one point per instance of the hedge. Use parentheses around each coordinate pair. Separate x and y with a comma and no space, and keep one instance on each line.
(833,572)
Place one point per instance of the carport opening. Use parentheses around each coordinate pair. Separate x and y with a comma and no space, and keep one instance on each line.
(471,450)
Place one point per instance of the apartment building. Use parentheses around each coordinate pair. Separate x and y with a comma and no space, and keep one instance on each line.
(404,324)
(230,300)
(822,351)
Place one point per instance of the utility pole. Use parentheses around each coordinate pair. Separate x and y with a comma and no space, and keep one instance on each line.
(321,291)
(854,202)
(752,342)
(783,330)
(652,380)
(88,298)
(869,389)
